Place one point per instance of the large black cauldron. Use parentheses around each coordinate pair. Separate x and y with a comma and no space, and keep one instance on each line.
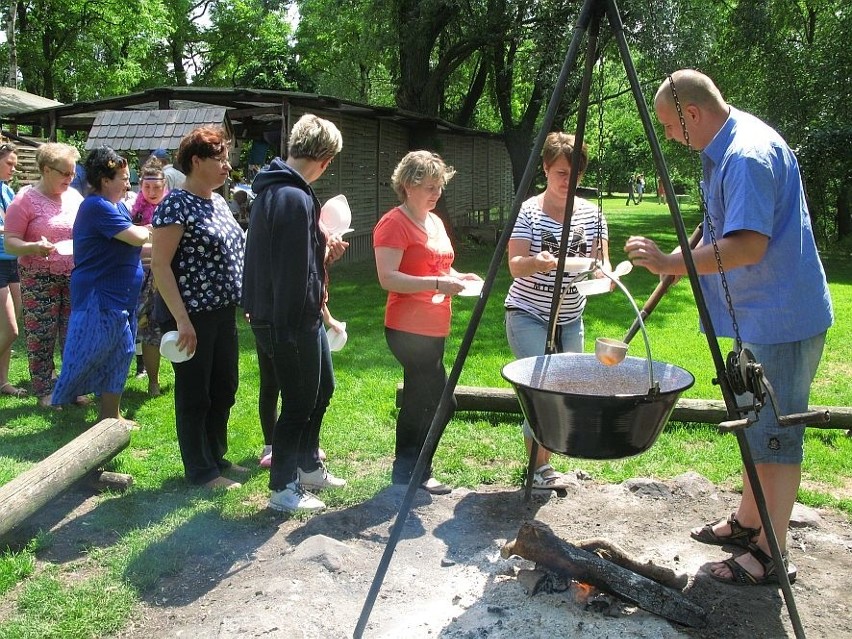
(578,407)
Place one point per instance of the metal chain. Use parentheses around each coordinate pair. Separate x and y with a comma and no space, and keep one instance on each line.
(711,229)
(600,176)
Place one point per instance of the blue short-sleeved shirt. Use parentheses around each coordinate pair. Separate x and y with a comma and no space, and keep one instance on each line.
(102,263)
(208,262)
(752,182)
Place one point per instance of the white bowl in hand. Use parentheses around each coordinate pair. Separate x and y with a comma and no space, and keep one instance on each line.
(169,348)
(337,339)
(336,215)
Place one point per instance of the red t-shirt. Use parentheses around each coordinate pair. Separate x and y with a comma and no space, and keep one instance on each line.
(422,255)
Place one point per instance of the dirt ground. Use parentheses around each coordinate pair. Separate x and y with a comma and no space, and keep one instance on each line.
(309,577)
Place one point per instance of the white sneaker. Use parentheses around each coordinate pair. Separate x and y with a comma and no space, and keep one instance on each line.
(320,478)
(294,498)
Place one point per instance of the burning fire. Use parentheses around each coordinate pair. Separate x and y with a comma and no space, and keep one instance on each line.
(582,592)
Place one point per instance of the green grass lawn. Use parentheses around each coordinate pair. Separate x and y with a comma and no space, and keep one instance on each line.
(141,536)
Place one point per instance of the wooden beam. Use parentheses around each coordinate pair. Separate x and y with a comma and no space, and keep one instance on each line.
(33,489)
(703,411)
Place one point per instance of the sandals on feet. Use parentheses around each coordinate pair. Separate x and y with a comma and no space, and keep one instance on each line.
(742,577)
(546,478)
(740,535)
(8,389)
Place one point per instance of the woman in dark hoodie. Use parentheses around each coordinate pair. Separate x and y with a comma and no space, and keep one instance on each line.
(283,293)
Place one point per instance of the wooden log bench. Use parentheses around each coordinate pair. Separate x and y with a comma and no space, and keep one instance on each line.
(33,489)
(704,411)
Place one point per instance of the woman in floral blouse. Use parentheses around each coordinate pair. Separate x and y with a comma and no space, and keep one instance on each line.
(197,262)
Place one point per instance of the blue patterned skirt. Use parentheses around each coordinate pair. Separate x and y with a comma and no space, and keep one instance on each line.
(98,351)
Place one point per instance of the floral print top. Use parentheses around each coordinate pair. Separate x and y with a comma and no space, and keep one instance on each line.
(208,262)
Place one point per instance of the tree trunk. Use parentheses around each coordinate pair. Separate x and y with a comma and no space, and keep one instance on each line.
(13,47)
(36,487)
(537,543)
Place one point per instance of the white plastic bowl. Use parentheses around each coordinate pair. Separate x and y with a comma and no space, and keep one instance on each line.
(170,350)
(578,264)
(64,247)
(472,288)
(336,215)
(595,286)
(337,339)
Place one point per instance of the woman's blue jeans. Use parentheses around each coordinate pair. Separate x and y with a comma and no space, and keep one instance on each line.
(527,335)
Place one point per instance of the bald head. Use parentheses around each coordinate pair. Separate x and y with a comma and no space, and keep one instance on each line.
(693,87)
(701,103)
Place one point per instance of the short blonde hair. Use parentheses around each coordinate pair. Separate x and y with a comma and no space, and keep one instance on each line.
(314,138)
(417,166)
(562,144)
(50,153)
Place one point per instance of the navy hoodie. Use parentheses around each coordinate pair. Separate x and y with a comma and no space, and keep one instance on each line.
(285,254)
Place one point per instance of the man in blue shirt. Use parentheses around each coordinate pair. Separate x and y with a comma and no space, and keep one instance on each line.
(761,225)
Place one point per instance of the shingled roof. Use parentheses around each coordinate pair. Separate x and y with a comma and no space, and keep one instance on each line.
(17,101)
(150,129)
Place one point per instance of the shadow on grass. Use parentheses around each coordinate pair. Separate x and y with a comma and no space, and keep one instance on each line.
(166,543)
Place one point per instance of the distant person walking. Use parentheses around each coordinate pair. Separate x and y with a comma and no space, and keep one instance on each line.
(640,187)
(631,191)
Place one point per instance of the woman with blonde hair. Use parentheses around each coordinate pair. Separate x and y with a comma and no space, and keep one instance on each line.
(414,261)
(40,217)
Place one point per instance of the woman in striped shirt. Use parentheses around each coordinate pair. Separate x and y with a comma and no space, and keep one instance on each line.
(533,253)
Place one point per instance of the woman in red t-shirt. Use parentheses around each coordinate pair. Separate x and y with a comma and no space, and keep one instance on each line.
(414,259)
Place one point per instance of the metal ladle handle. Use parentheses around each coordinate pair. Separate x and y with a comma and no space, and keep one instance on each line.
(652,385)
(660,290)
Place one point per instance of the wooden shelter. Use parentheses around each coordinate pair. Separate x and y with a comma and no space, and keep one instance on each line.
(374,140)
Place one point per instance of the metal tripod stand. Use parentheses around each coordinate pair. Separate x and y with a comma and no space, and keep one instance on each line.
(589,20)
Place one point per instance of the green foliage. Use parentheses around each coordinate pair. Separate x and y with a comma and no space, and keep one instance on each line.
(83,49)
(344,47)
(249,44)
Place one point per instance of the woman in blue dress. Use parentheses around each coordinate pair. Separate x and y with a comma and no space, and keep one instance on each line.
(105,286)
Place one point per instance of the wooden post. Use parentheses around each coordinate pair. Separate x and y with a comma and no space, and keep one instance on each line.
(33,489)
(703,411)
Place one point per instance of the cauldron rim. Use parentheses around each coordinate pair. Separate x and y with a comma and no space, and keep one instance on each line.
(591,357)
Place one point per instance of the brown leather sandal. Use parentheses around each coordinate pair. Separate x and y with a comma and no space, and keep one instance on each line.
(742,577)
(740,535)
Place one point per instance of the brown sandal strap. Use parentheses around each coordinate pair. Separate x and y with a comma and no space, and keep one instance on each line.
(738,531)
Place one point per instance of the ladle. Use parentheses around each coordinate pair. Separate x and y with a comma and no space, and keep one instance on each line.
(612,351)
